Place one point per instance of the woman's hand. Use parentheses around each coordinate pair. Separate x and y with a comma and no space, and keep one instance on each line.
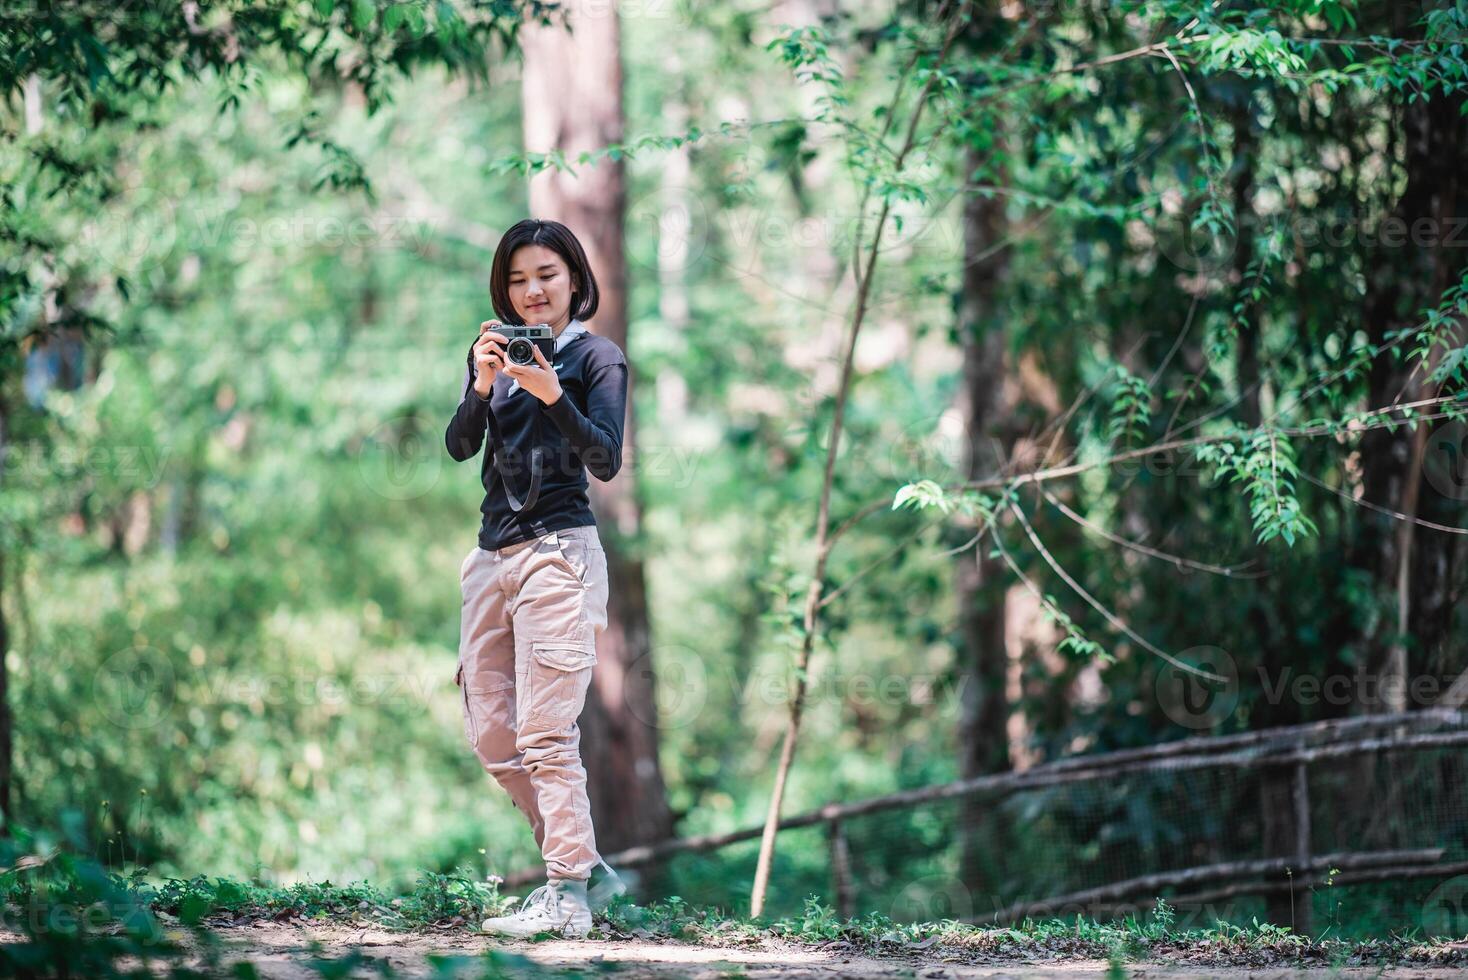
(488,356)
(539,378)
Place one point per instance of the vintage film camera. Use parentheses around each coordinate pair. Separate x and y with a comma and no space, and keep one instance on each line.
(519,342)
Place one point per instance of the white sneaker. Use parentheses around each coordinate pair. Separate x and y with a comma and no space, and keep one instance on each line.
(558,906)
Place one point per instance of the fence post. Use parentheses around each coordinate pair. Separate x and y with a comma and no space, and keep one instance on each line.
(1304,901)
(840,868)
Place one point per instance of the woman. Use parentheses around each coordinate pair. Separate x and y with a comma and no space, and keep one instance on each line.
(535,586)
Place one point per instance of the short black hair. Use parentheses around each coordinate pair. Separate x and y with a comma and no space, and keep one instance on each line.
(559,239)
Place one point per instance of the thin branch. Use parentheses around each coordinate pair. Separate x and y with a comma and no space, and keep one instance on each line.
(1123,359)
(1060,423)
(1029,583)
(966,545)
(1178,560)
(1161,447)
(877,562)
(1095,604)
(1228,871)
(881,141)
(1198,116)
(1384,510)
(861,514)
(1196,20)
(1300,400)
(1045,475)
(810,618)
(1176,344)
(1181,402)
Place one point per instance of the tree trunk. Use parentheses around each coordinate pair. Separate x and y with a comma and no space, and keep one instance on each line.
(1247,366)
(6,723)
(1279,829)
(572,95)
(1405,274)
(1404,277)
(980,581)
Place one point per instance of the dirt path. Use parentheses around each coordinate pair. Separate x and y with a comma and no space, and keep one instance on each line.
(284,951)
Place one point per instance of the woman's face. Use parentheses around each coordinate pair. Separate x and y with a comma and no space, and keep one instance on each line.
(540,286)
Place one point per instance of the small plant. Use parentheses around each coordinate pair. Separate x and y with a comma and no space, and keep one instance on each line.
(1116,964)
(1228,934)
(1163,917)
(820,921)
(1333,899)
(446,897)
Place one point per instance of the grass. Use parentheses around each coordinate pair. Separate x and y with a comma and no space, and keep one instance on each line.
(77,918)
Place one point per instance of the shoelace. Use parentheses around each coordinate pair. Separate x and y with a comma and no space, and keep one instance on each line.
(543,896)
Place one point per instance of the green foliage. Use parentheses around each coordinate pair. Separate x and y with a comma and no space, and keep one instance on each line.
(1264,462)
(924,493)
(1440,331)
(1249,51)
(296,546)
(1075,643)
(1131,408)
(444,898)
(927,493)
(76,917)
(100,72)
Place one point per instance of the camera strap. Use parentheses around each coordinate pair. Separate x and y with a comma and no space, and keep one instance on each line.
(537,452)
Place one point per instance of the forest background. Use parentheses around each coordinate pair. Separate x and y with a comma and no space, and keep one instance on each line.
(246,246)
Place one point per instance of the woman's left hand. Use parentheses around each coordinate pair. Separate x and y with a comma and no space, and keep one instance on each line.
(539,379)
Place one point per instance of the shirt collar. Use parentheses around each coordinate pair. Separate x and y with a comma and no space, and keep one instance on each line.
(573,330)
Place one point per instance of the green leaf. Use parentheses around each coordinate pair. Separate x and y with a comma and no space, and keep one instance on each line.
(193,908)
(363,13)
(922,494)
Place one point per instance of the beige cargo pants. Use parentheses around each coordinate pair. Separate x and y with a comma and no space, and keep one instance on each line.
(527,642)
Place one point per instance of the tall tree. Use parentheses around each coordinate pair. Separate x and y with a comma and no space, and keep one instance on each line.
(572,95)
(1407,274)
(981,581)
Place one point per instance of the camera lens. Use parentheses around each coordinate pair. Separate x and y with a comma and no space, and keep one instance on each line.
(518,351)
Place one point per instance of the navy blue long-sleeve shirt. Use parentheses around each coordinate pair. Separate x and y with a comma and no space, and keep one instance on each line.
(580,432)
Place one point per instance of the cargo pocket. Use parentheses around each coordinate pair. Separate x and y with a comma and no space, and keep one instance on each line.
(560,675)
(479,695)
(574,554)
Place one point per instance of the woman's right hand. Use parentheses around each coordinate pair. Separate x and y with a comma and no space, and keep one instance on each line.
(488,356)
